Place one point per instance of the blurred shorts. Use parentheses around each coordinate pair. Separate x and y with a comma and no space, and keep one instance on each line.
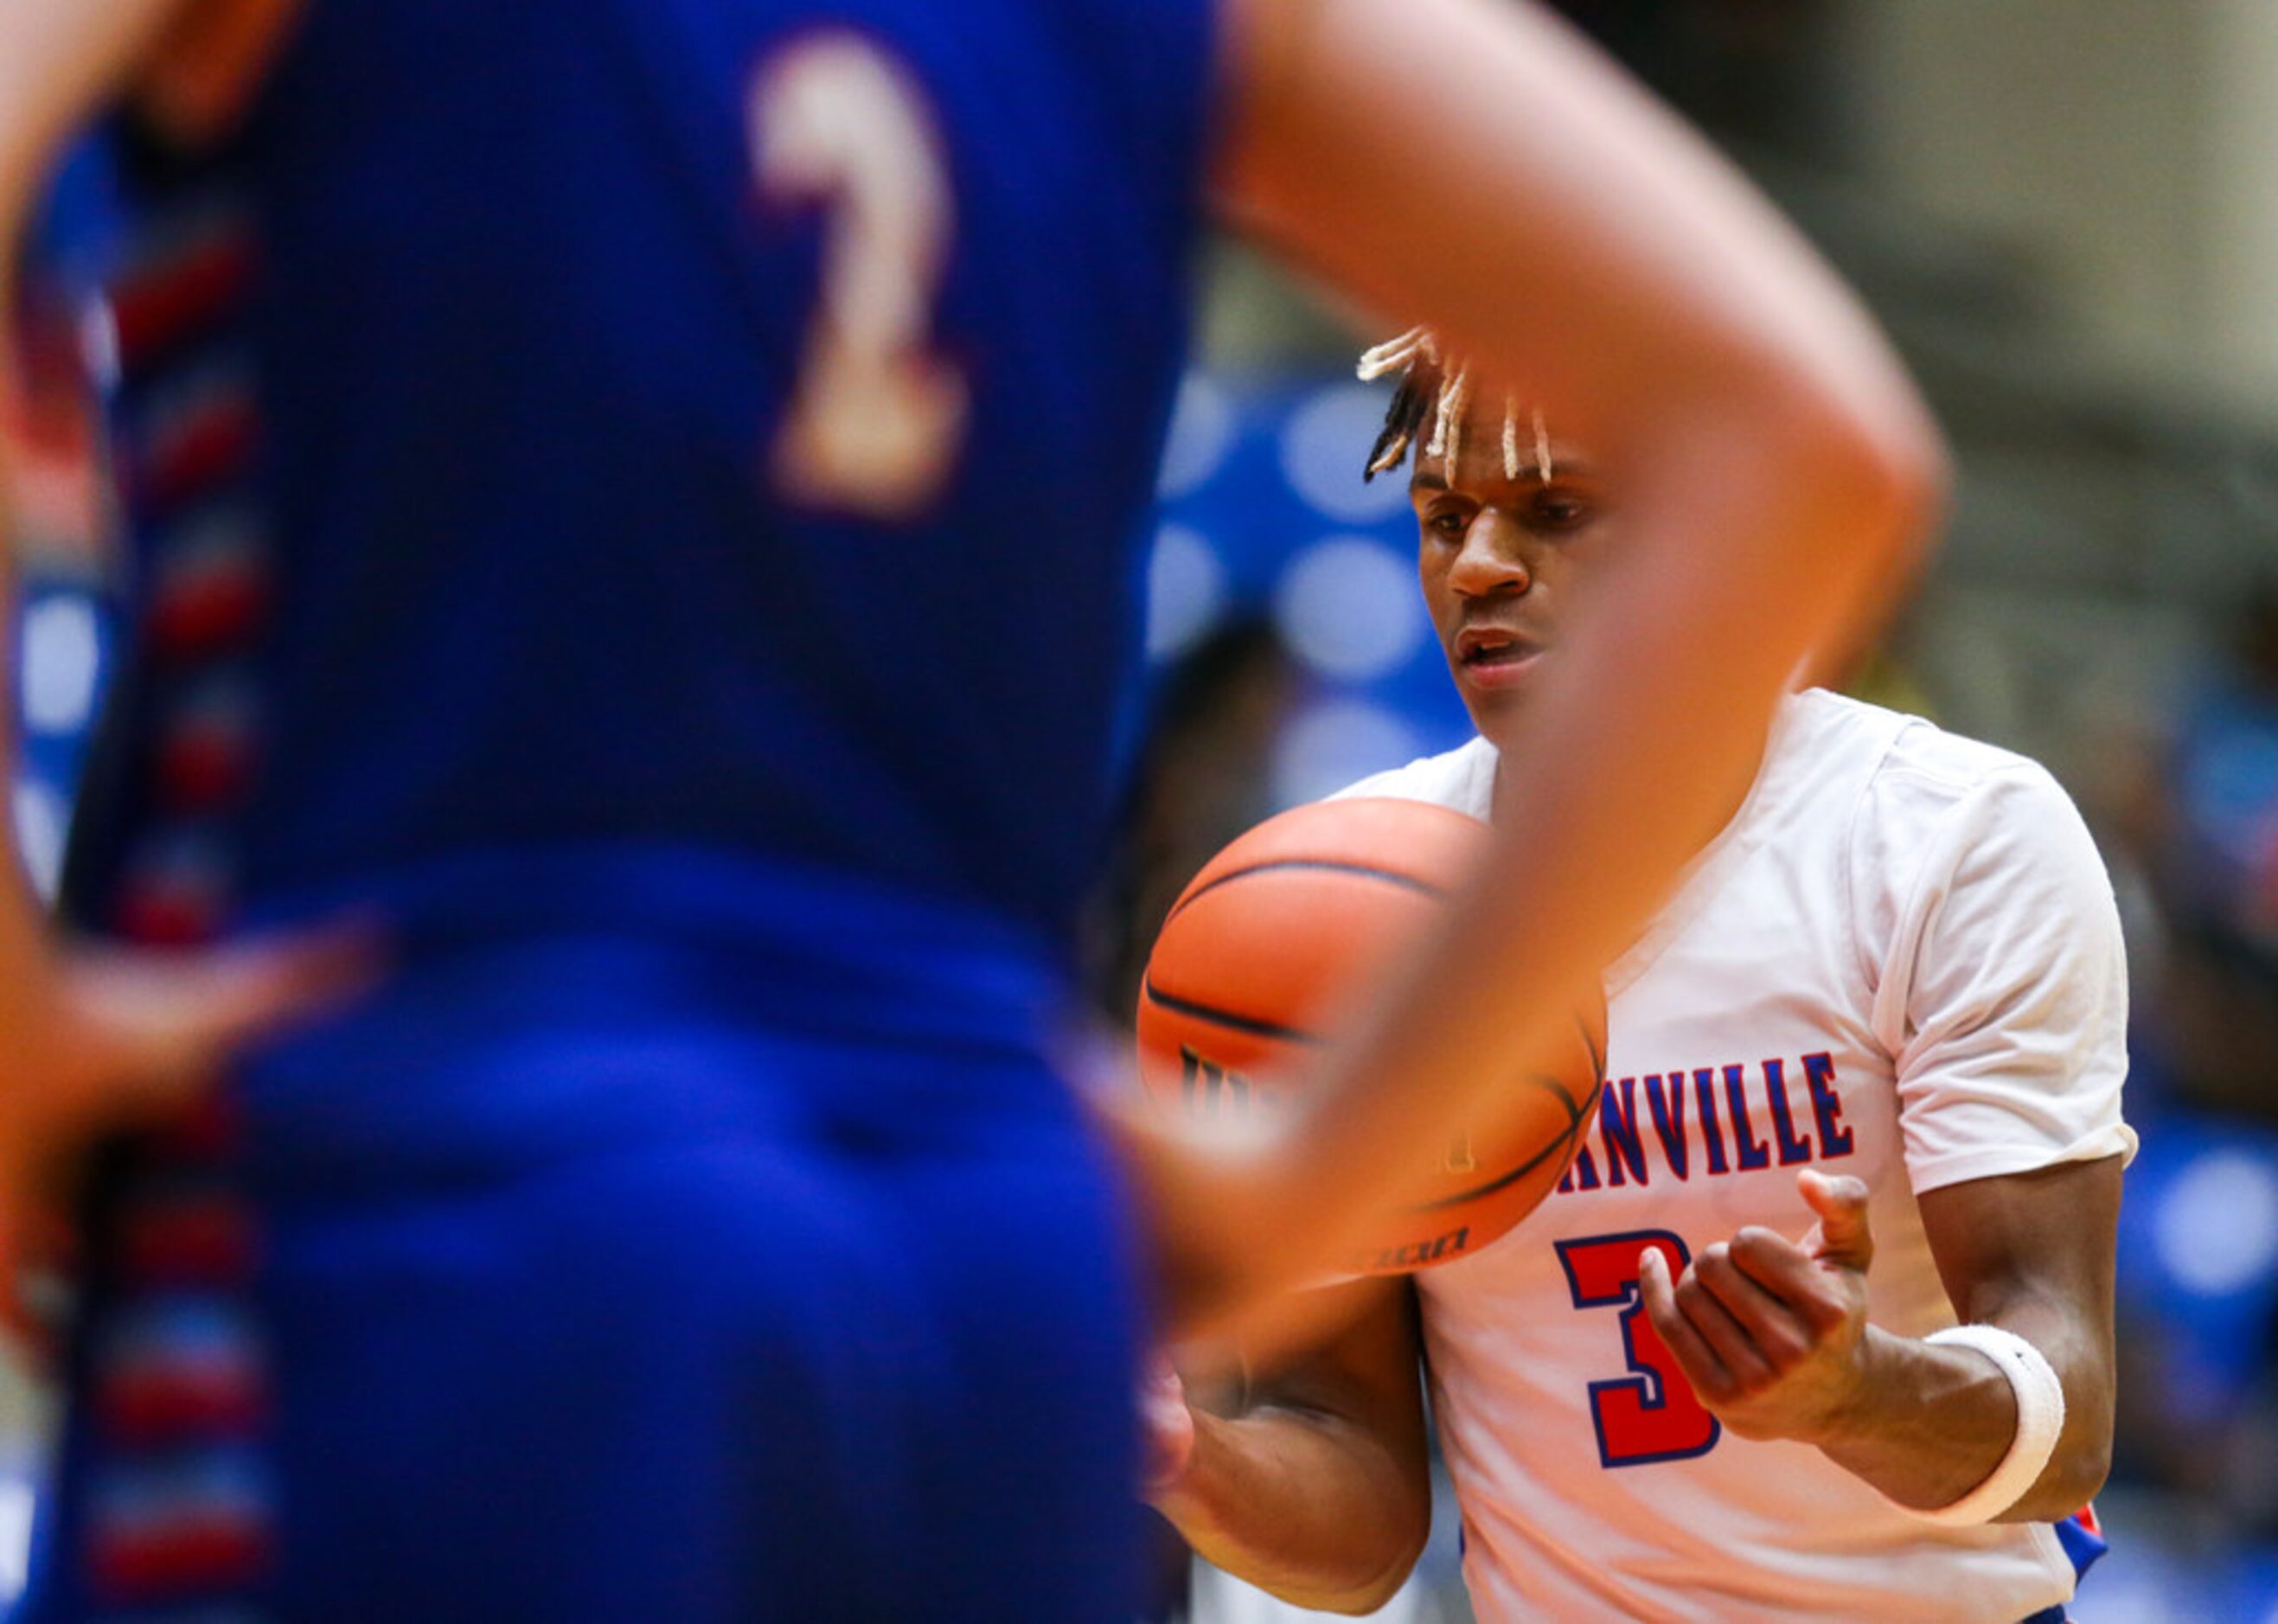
(635,1313)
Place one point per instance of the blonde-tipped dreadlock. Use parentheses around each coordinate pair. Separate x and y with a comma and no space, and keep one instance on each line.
(1434,383)
(1415,355)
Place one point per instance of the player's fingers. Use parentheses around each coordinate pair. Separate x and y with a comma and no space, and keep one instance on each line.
(1781,1266)
(1712,1381)
(171,1019)
(1845,1239)
(1795,1276)
(1736,1350)
(1792,1275)
(1775,1330)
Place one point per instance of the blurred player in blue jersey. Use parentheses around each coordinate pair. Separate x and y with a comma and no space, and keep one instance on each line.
(639,496)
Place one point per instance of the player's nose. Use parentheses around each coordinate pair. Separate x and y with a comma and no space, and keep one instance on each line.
(1492,558)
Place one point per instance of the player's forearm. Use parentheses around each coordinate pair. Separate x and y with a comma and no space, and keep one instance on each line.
(1301,1505)
(1931,1423)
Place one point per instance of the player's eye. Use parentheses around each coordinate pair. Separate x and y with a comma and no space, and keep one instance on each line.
(1558,511)
(1448,522)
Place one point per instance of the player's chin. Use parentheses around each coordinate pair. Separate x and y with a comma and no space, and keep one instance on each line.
(1496,711)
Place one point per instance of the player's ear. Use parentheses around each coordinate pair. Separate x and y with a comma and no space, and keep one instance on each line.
(208,65)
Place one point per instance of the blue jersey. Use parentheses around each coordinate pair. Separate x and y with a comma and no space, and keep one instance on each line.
(537,298)
(642,492)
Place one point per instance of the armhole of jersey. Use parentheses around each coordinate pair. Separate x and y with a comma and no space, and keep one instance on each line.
(210,65)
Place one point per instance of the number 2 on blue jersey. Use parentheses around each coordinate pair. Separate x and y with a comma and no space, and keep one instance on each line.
(877,420)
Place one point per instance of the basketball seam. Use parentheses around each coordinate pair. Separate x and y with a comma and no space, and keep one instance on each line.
(1317,865)
(1227,1018)
(1597,1060)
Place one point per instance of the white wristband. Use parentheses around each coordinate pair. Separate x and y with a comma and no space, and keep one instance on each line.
(2040,1422)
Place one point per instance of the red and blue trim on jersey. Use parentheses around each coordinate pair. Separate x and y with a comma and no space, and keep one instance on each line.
(177,1502)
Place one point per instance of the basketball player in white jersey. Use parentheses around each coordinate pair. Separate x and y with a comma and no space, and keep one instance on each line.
(1863,1086)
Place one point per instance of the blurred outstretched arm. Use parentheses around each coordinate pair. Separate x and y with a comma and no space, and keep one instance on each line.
(1479,167)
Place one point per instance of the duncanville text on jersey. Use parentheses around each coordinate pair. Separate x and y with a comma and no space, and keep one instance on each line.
(1710,1121)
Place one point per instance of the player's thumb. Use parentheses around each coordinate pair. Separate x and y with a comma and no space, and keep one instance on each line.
(1842,1237)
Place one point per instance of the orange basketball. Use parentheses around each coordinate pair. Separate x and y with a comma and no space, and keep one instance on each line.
(1279,935)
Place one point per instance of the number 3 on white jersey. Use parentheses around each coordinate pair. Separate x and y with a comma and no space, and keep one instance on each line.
(876,422)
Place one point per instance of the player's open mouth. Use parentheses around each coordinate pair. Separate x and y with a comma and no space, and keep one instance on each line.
(1492,657)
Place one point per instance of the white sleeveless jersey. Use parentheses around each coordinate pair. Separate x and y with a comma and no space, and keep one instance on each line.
(1902,960)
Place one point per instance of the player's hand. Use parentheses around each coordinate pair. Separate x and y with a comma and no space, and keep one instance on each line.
(1772,1331)
(95,1039)
(1168,1426)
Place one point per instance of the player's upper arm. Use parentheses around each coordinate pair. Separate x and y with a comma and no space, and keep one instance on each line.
(1480,166)
(2045,1234)
(2002,988)
(2001,993)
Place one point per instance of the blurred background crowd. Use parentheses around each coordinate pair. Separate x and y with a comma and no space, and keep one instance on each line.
(2067,213)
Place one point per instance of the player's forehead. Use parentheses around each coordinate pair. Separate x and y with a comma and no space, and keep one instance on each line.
(1496,455)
